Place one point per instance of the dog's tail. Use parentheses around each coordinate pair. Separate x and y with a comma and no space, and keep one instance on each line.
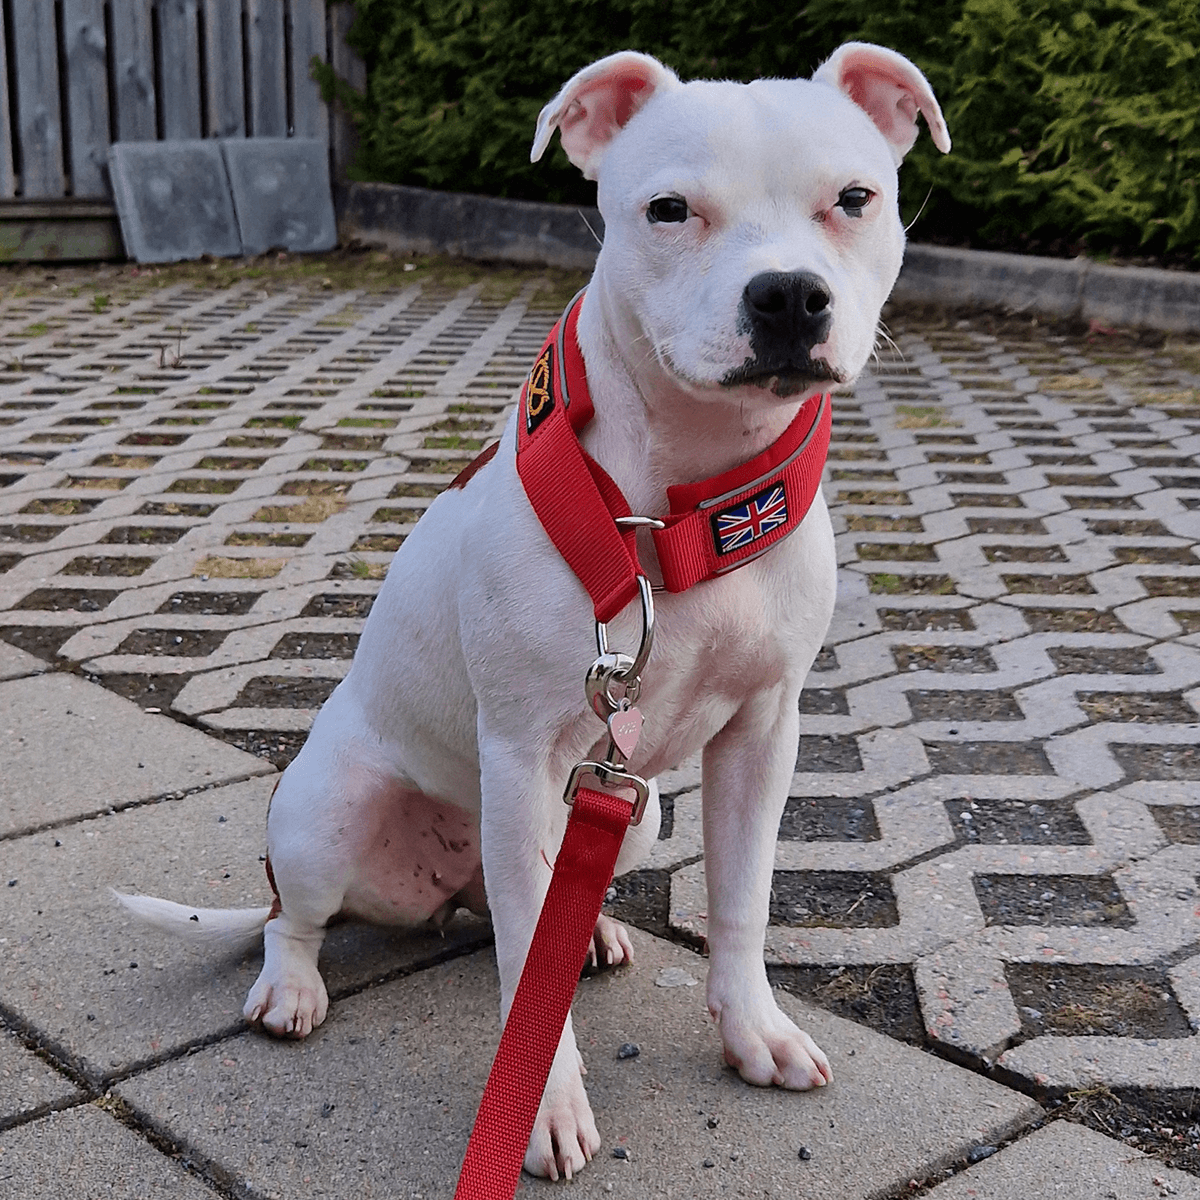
(231,928)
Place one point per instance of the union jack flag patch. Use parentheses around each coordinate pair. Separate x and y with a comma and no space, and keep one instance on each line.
(738,527)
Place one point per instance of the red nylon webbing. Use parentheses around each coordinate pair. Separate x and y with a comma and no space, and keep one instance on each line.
(687,552)
(539,1010)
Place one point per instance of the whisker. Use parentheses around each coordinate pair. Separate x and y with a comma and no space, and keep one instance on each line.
(919,210)
(590,229)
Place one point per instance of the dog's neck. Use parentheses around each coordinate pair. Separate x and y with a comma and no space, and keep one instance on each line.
(651,430)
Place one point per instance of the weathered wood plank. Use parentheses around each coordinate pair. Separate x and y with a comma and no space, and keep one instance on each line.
(223,68)
(53,237)
(179,42)
(268,72)
(87,95)
(39,124)
(7,181)
(349,67)
(310,117)
(133,63)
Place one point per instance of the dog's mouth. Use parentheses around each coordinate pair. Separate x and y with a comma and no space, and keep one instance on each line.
(782,378)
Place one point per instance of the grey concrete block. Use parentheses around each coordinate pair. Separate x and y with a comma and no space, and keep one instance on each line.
(281,193)
(86,1154)
(105,991)
(73,748)
(429,222)
(411,1058)
(1068,1162)
(173,200)
(27,1083)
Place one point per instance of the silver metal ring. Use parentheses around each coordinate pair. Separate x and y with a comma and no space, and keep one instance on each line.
(640,522)
(643,652)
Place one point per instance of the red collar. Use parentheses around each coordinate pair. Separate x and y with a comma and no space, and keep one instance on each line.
(712,526)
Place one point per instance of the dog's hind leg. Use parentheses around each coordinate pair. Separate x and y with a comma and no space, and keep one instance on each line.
(309,868)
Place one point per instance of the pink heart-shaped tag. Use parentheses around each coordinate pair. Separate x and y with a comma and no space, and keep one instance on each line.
(625,727)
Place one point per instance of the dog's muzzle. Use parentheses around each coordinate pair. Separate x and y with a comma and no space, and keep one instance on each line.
(786,313)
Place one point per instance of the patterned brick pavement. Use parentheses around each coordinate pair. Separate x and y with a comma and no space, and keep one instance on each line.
(993,841)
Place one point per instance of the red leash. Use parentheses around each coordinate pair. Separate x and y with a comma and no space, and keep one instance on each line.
(713,527)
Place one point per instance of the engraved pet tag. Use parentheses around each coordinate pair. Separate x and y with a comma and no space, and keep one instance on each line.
(625,727)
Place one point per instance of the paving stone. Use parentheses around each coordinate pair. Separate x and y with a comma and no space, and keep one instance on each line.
(1069,1162)
(107,992)
(86,1153)
(47,718)
(14,663)
(1061,1063)
(27,1083)
(265,449)
(414,1055)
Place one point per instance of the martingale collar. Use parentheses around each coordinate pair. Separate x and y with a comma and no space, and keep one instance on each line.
(712,527)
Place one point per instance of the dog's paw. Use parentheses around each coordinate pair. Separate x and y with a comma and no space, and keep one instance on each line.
(610,944)
(564,1134)
(292,1006)
(766,1048)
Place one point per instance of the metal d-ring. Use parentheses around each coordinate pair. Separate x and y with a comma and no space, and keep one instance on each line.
(643,652)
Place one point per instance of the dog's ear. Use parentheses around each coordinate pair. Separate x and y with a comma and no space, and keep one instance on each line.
(889,89)
(597,103)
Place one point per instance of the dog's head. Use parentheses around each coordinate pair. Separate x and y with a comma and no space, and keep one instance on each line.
(752,231)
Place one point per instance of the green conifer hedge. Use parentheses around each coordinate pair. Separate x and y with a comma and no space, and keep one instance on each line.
(1076,123)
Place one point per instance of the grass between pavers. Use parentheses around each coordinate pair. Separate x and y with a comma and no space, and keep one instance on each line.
(913,416)
(338,270)
(216,566)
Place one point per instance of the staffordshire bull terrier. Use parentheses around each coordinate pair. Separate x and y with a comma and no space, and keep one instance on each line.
(752,234)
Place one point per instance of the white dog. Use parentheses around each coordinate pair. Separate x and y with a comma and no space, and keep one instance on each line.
(752,235)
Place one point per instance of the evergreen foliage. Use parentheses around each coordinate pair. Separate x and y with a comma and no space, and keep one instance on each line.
(1075,122)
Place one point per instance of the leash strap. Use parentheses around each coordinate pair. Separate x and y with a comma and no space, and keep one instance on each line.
(582,872)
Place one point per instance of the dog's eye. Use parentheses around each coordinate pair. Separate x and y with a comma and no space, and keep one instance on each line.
(667,209)
(853,200)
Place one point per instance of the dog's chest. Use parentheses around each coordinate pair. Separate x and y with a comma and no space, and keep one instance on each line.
(710,656)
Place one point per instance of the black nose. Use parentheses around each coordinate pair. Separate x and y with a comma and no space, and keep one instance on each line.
(787,310)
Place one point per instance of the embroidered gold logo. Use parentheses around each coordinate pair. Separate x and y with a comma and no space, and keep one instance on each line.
(539,399)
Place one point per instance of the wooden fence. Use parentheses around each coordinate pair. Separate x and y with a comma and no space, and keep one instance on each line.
(84,73)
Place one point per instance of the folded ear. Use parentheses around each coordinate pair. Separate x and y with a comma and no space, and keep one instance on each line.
(889,89)
(596,104)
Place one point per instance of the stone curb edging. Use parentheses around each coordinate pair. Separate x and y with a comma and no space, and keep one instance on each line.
(563,235)
(1144,297)
(485,227)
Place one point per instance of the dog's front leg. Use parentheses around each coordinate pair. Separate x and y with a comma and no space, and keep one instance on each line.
(522,824)
(747,769)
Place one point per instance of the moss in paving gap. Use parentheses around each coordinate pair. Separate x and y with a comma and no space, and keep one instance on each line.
(292,421)
(341,270)
(312,510)
(216,566)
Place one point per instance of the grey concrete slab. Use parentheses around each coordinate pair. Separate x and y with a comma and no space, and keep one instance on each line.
(1069,1162)
(73,748)
(173,200)
(281,193)
(27,1083)
(381,1100)
(107,993)
(14,663)
(85,1154)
